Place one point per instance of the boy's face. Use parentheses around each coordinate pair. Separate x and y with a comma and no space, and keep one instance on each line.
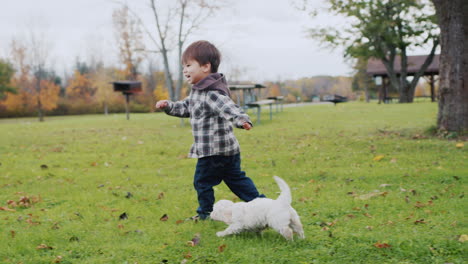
(194,72)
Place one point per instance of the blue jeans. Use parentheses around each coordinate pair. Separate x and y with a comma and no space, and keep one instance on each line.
(210,171)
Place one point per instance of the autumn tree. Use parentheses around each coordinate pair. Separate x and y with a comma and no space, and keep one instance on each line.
(129,39)
(38,88)
(6,73)
(386,30)
(80,87)
(453,87)
(101,79)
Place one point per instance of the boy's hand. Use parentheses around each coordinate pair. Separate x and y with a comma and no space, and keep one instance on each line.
(247,126)
(162,104)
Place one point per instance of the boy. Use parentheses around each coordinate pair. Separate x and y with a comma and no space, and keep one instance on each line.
(212,114)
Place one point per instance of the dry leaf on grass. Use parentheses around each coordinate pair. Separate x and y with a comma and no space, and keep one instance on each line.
(44,246)
(378,158)
(164,218)
(7,209)
(382,245)
(222,248)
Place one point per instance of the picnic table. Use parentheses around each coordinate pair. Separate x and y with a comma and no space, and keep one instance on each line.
(250,98)
(258,105)
(278,101)
(335,99)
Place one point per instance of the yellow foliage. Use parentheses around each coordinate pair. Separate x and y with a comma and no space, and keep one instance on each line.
(49,95)
(80,87)
(274,90)
(161,92)
(27,99)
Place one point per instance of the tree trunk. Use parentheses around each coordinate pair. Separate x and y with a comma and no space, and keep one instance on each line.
(453,85)
(407,93)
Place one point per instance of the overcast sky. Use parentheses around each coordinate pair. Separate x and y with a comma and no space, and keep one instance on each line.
(267,39)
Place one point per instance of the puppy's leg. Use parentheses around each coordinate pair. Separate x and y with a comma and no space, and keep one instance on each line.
(286,232)
(296,225)
(232,229)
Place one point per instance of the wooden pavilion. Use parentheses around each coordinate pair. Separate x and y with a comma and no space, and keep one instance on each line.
(376,68)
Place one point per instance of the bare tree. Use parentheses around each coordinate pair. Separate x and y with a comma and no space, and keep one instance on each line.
(181,20)
(129,38)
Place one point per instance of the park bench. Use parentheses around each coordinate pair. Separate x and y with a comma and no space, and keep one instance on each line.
(335,99)
(259,104)
(278,101)
(389,99)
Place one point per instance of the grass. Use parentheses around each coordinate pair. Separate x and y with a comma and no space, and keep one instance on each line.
(369,184)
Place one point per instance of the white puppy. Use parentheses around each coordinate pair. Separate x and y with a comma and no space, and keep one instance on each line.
(259,214)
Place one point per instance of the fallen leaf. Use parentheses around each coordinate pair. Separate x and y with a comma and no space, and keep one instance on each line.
(123,216)
(44,246)
(94,164)
(384,185)
(459,145)
(393,160)
(13,233)
(58,259)
(188,255)
(222,248)
(369,228)
(463,238)
(165,217)
(7,209)
(178,222)
(161,195)
(421,205)
(371,195)
(120,226)
(420,221)
(190,244)
(195,240)
(382,245)
(378,158)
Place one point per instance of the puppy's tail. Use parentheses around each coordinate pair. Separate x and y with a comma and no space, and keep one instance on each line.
(285,195)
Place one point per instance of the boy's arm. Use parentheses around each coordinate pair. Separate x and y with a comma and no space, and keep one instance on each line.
(227,109)
(179,108)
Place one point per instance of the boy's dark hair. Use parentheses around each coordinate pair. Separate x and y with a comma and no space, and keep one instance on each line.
(203,52)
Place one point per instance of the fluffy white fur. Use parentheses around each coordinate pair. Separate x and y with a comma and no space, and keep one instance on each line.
(259,214)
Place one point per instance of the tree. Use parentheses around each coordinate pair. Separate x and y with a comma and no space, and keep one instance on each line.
(101,79)
(386,30)
(81,87)
(6,73)
(183,17)
(38,87)
(129,38)
(453,87)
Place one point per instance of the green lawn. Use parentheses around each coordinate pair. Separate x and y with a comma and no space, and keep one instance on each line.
(370,185)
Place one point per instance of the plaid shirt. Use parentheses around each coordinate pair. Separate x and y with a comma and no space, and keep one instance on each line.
(212,115)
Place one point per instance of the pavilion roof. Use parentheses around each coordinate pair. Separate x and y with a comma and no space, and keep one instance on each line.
(375,66)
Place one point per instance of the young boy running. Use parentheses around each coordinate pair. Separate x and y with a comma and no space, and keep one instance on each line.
(212,114)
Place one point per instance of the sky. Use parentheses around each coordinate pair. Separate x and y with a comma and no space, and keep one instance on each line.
(265,39)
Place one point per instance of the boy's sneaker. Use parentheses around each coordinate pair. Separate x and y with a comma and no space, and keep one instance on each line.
(198,218)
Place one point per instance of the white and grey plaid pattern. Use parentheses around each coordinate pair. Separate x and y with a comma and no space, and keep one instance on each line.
(211,116)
